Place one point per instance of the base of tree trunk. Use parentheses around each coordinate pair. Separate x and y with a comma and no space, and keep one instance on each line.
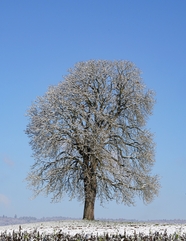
(88,210)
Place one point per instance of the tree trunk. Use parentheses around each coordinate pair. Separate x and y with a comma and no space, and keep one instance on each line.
(89,209)
(90,186)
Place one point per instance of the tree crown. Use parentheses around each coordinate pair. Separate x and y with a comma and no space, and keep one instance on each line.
(94,122)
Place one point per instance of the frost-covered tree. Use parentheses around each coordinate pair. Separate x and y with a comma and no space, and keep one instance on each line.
(89,139)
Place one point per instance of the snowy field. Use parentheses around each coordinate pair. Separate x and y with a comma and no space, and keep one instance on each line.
(96,228)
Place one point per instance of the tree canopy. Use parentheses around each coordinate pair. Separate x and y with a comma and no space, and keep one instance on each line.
(89,138)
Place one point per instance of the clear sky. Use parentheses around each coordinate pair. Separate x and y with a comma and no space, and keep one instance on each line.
(41,40)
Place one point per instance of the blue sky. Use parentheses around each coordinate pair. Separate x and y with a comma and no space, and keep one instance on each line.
(41,40)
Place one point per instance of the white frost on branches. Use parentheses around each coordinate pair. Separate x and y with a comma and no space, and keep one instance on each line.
(94,121)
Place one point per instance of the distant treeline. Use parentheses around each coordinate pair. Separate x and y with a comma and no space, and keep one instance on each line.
(4,220)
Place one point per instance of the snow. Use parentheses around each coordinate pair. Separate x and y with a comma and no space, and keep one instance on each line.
(73,227)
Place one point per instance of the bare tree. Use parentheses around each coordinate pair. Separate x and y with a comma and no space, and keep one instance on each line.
(89,139)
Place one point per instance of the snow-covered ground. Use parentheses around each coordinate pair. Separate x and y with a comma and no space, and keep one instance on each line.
(96,227)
